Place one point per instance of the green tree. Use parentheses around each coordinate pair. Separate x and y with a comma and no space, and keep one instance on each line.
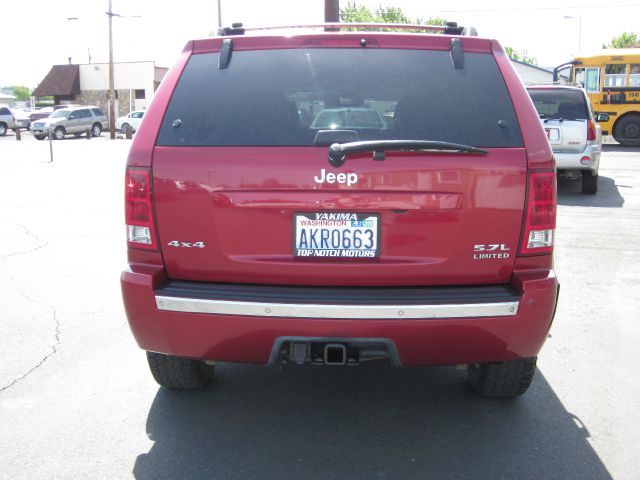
(520,55)
(361,14)
(20,92)
(626,40)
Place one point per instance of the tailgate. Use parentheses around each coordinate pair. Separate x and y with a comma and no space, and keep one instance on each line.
(566,136)
(441,218)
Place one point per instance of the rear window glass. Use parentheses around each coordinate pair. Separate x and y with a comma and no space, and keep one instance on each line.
(565,104)
(286,97)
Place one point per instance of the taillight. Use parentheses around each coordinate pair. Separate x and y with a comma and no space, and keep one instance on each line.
(540,220)
(141,232)
(591,130)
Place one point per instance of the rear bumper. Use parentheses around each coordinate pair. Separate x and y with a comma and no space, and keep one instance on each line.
(444,326)
(22,123)
(572,161)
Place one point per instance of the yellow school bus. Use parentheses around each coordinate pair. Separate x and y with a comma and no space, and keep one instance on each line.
(612,81)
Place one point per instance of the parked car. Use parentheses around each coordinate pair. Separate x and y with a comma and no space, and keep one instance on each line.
(130,121)
(428,243)
(74,120)
(22,118)
(572,129)
(7,120)
(44,112)
(40,113)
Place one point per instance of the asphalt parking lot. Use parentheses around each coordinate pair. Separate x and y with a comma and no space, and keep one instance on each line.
(77,400)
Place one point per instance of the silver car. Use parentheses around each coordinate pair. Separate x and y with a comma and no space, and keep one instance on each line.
(7,120)
(573,132)
(70,121)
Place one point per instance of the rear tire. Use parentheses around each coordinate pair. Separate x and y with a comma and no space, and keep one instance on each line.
(502,380)
(125,127)
(178,372)
(627,131)
(589,183)
(3,129)
(40,137)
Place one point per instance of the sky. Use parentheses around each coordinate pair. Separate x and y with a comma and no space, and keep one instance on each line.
(552,31)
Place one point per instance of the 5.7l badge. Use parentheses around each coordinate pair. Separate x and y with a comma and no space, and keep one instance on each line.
(492,250)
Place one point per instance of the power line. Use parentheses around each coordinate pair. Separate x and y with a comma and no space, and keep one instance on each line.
(527,9)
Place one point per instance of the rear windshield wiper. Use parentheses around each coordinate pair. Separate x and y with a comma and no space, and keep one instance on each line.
(562,119)
(338,151)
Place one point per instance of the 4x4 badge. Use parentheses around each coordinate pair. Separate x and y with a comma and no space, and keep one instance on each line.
(176,243)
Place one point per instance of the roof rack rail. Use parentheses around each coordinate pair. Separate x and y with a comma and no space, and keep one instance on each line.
(451,28)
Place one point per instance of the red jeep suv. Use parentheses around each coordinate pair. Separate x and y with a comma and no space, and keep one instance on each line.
(332,197)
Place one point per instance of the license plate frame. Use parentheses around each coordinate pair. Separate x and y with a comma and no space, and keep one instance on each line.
(340,222)
(553,134)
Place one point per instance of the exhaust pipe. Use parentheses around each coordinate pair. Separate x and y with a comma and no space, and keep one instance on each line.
(335,354)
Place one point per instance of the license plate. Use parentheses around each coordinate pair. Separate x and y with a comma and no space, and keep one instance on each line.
(553,134)
(343,235)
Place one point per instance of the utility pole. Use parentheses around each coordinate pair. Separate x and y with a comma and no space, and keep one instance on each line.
(112,106)
(219,14)
(331,14)
(331,11)
(579,34)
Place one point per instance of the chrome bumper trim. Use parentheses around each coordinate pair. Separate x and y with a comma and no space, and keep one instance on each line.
(294,310)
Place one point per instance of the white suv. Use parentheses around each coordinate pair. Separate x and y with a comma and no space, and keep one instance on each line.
(573,132)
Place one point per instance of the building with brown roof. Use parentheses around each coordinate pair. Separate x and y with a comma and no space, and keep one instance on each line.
(62,83)
(88,84)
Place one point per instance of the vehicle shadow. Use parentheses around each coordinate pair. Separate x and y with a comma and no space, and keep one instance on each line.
(608,195)
(365,422)
(615,147)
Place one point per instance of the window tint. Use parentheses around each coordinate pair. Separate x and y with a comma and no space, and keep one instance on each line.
(137,114)
(614,75)
(85,113)
(284,97)
(566,104)
(593,80)
(588,78)
(5,111)
(98,112)
(348,118)
(62,113)
(634,75)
